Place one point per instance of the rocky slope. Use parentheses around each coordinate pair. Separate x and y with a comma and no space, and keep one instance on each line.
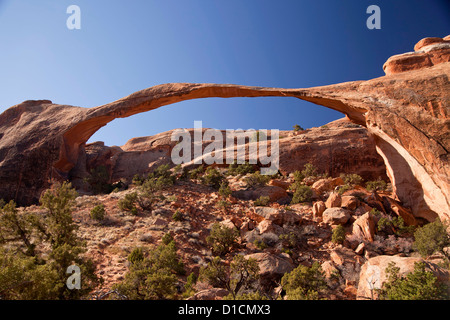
(292,234)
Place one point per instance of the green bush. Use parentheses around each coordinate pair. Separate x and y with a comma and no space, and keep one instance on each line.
(98,212)
(99,180)
(196,173)
(153,274)
(256,180)
(417,285)
(431,238)
(213,178)
(302,193)
(395,225)
(351,179)
(304,283)
(222,239)
(260,244)
(30,274)
(262,201)
(128,203)
(309,170)
(177,216)
(298,176)
(342,189)
(241,274)
(298,128)
(338,235)
(376,185)
(167,238)
(243,169)
(224,189)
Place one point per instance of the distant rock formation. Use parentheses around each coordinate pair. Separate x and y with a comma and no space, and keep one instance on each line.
(338,147)
(406,112)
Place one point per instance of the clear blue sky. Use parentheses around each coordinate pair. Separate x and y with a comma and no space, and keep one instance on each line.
(124,46)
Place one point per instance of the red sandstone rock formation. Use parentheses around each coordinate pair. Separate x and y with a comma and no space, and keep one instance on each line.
(406,111)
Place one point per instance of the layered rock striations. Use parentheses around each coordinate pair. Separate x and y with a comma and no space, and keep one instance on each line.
(406,112)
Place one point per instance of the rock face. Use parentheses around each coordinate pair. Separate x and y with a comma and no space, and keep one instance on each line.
(406,113)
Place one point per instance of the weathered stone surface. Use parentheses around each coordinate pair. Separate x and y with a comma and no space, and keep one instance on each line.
(318,208)
(335,216)
(271,267)
(334,200)
(278,216)
(348,262)
(373,274)
(364,227)
(349,202)
(427,52)
(406,113)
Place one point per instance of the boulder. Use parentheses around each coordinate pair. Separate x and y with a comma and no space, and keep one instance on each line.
(335,216)
(364,227)
(348,262)
(278,216)
(271,267)
(318,208)
(349,202)
(373,274)
(334,200)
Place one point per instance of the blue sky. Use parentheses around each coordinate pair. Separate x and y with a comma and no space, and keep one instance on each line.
(124,46)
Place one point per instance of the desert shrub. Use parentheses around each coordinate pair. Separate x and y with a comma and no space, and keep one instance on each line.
(304,283)
(309,170)
(376,185)
(338,235)
(298,176)
(241,274)
(137,180)
(222,239)
(223,205)
(32,274)
(260,244)
(99,180)
(167,238)
(431,238)
(191,280)
(224,189)
(196,173)
(153,274)
(262,201)
(342,189)
(351,179)
(136,255)
(213,178)
(177,216)
(395,225)
(256,180)
(243,169)
(128,203)
(98,212)
(298,128)
(419,284)
(302,193)
(288,240)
